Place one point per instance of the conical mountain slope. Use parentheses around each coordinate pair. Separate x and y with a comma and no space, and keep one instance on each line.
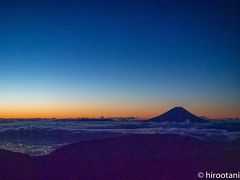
(178,114)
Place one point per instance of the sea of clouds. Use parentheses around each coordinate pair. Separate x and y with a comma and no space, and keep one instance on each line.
(39,137)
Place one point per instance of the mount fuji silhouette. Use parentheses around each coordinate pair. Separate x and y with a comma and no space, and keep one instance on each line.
(178,114)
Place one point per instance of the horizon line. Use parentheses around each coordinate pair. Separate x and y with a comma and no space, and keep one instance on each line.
(107,118)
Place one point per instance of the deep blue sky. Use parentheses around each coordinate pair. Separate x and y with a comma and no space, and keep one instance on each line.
(119,57)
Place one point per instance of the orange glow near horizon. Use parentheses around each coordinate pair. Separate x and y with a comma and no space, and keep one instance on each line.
(75,113)
(140,112)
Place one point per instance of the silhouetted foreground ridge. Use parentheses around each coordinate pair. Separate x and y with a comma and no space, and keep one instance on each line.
(128,157)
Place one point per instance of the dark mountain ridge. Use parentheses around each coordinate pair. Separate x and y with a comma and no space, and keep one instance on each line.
(129,157)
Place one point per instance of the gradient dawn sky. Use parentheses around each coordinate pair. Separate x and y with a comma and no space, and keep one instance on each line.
(119,58)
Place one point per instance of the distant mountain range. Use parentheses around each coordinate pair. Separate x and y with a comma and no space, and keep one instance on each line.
(178,114)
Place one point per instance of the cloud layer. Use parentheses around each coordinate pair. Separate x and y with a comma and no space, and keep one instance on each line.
(38,137)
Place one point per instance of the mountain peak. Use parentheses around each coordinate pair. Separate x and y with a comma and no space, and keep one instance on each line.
(179,108)
(178,114)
